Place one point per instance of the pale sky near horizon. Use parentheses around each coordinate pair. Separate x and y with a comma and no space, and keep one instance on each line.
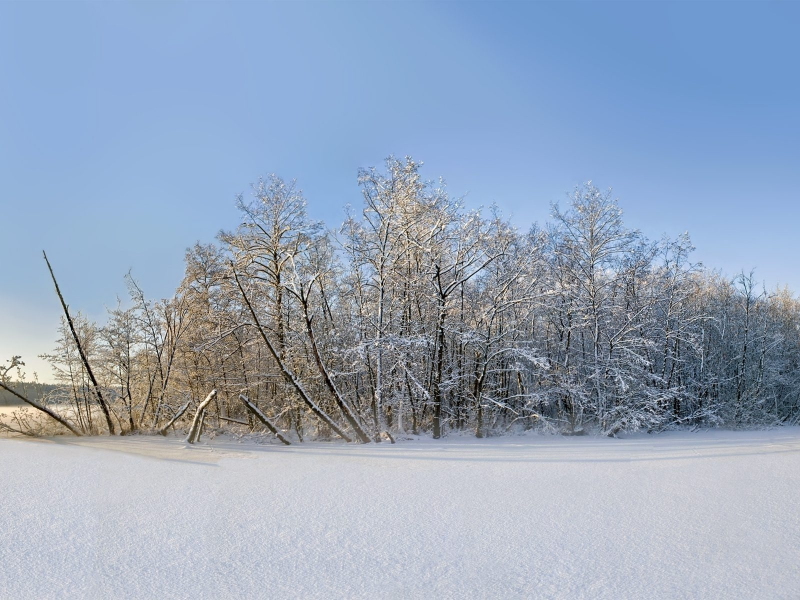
(127,129)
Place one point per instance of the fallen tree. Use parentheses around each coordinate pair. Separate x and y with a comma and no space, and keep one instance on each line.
(178,415)
(41,408)
(263,418)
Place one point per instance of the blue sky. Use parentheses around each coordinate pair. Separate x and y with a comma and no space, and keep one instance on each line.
(127,129)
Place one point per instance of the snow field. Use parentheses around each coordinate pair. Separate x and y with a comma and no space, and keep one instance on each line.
(678,515)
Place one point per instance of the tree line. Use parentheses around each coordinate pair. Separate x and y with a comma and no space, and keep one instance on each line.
(419,316)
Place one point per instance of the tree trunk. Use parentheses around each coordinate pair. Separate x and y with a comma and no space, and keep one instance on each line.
(100,398)
(44,409)
(178,415)
(262,417)
(343,406)
(287,374)
(437,373)
(197,423)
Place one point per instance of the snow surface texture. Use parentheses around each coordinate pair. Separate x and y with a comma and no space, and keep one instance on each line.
(678,515)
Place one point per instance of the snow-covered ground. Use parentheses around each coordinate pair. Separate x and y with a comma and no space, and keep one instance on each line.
(679,515)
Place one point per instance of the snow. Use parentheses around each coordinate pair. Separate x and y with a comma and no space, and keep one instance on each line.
(678,515)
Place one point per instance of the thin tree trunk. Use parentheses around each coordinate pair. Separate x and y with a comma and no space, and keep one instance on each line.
(44,409)
(194,430)
(437,372)
(178,415)
(343,406)
(263,418)
(287,374)
(103,404)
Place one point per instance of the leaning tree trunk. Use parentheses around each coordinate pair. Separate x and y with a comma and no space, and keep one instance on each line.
(103,404)
(263,418)
(42,408)
(197,423)
(178,415)
(287,374)
(343,406)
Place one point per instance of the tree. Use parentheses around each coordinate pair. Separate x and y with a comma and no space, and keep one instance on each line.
(422,312)
(593,243)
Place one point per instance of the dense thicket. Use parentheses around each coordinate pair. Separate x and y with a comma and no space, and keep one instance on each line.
(417,315)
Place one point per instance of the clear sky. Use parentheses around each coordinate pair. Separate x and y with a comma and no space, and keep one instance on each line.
(127,129)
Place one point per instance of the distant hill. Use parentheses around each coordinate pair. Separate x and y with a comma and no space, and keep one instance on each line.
(32,391)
